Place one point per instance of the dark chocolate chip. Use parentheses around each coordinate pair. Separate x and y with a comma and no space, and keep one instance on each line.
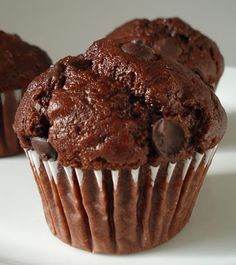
(138,49)
(168,137)
(43,148)
(169,46)
(184,38)
(82,63)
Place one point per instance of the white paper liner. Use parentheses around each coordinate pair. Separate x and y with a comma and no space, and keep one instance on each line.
(119,211)
(52,168)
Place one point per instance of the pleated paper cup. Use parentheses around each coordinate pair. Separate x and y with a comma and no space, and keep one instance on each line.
(9,102)
(119,211)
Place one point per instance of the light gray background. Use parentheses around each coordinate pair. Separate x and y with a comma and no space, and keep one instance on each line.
(69,27)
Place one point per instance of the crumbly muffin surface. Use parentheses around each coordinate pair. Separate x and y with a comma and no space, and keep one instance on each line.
(120,106)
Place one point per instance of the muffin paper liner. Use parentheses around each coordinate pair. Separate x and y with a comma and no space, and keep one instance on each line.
(9,102)
(119,211)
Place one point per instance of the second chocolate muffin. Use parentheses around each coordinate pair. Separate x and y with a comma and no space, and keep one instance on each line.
(177,39)
(20,62)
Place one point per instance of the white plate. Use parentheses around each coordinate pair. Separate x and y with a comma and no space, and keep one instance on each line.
(209,238)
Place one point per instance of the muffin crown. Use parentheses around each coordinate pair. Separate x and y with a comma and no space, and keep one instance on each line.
(20,62)
(120,106)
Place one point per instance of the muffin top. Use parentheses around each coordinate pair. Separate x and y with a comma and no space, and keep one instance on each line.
(178,40)
(121,105)
(20,62)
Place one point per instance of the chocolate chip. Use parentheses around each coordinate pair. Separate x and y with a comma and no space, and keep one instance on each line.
(169,46)
(81,63)
(184,38)
(168,137)
(43,148)
(138,49)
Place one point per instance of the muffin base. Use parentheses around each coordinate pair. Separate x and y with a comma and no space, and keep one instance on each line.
(9,102)
(123,211)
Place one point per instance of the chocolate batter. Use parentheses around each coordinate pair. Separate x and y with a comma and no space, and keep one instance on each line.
(104,110)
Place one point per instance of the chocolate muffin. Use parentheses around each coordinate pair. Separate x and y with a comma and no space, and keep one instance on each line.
(119,141)
(178,40)
(20,62)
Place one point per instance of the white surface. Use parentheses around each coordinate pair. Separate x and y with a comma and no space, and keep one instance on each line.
(209,238)
(68,27)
